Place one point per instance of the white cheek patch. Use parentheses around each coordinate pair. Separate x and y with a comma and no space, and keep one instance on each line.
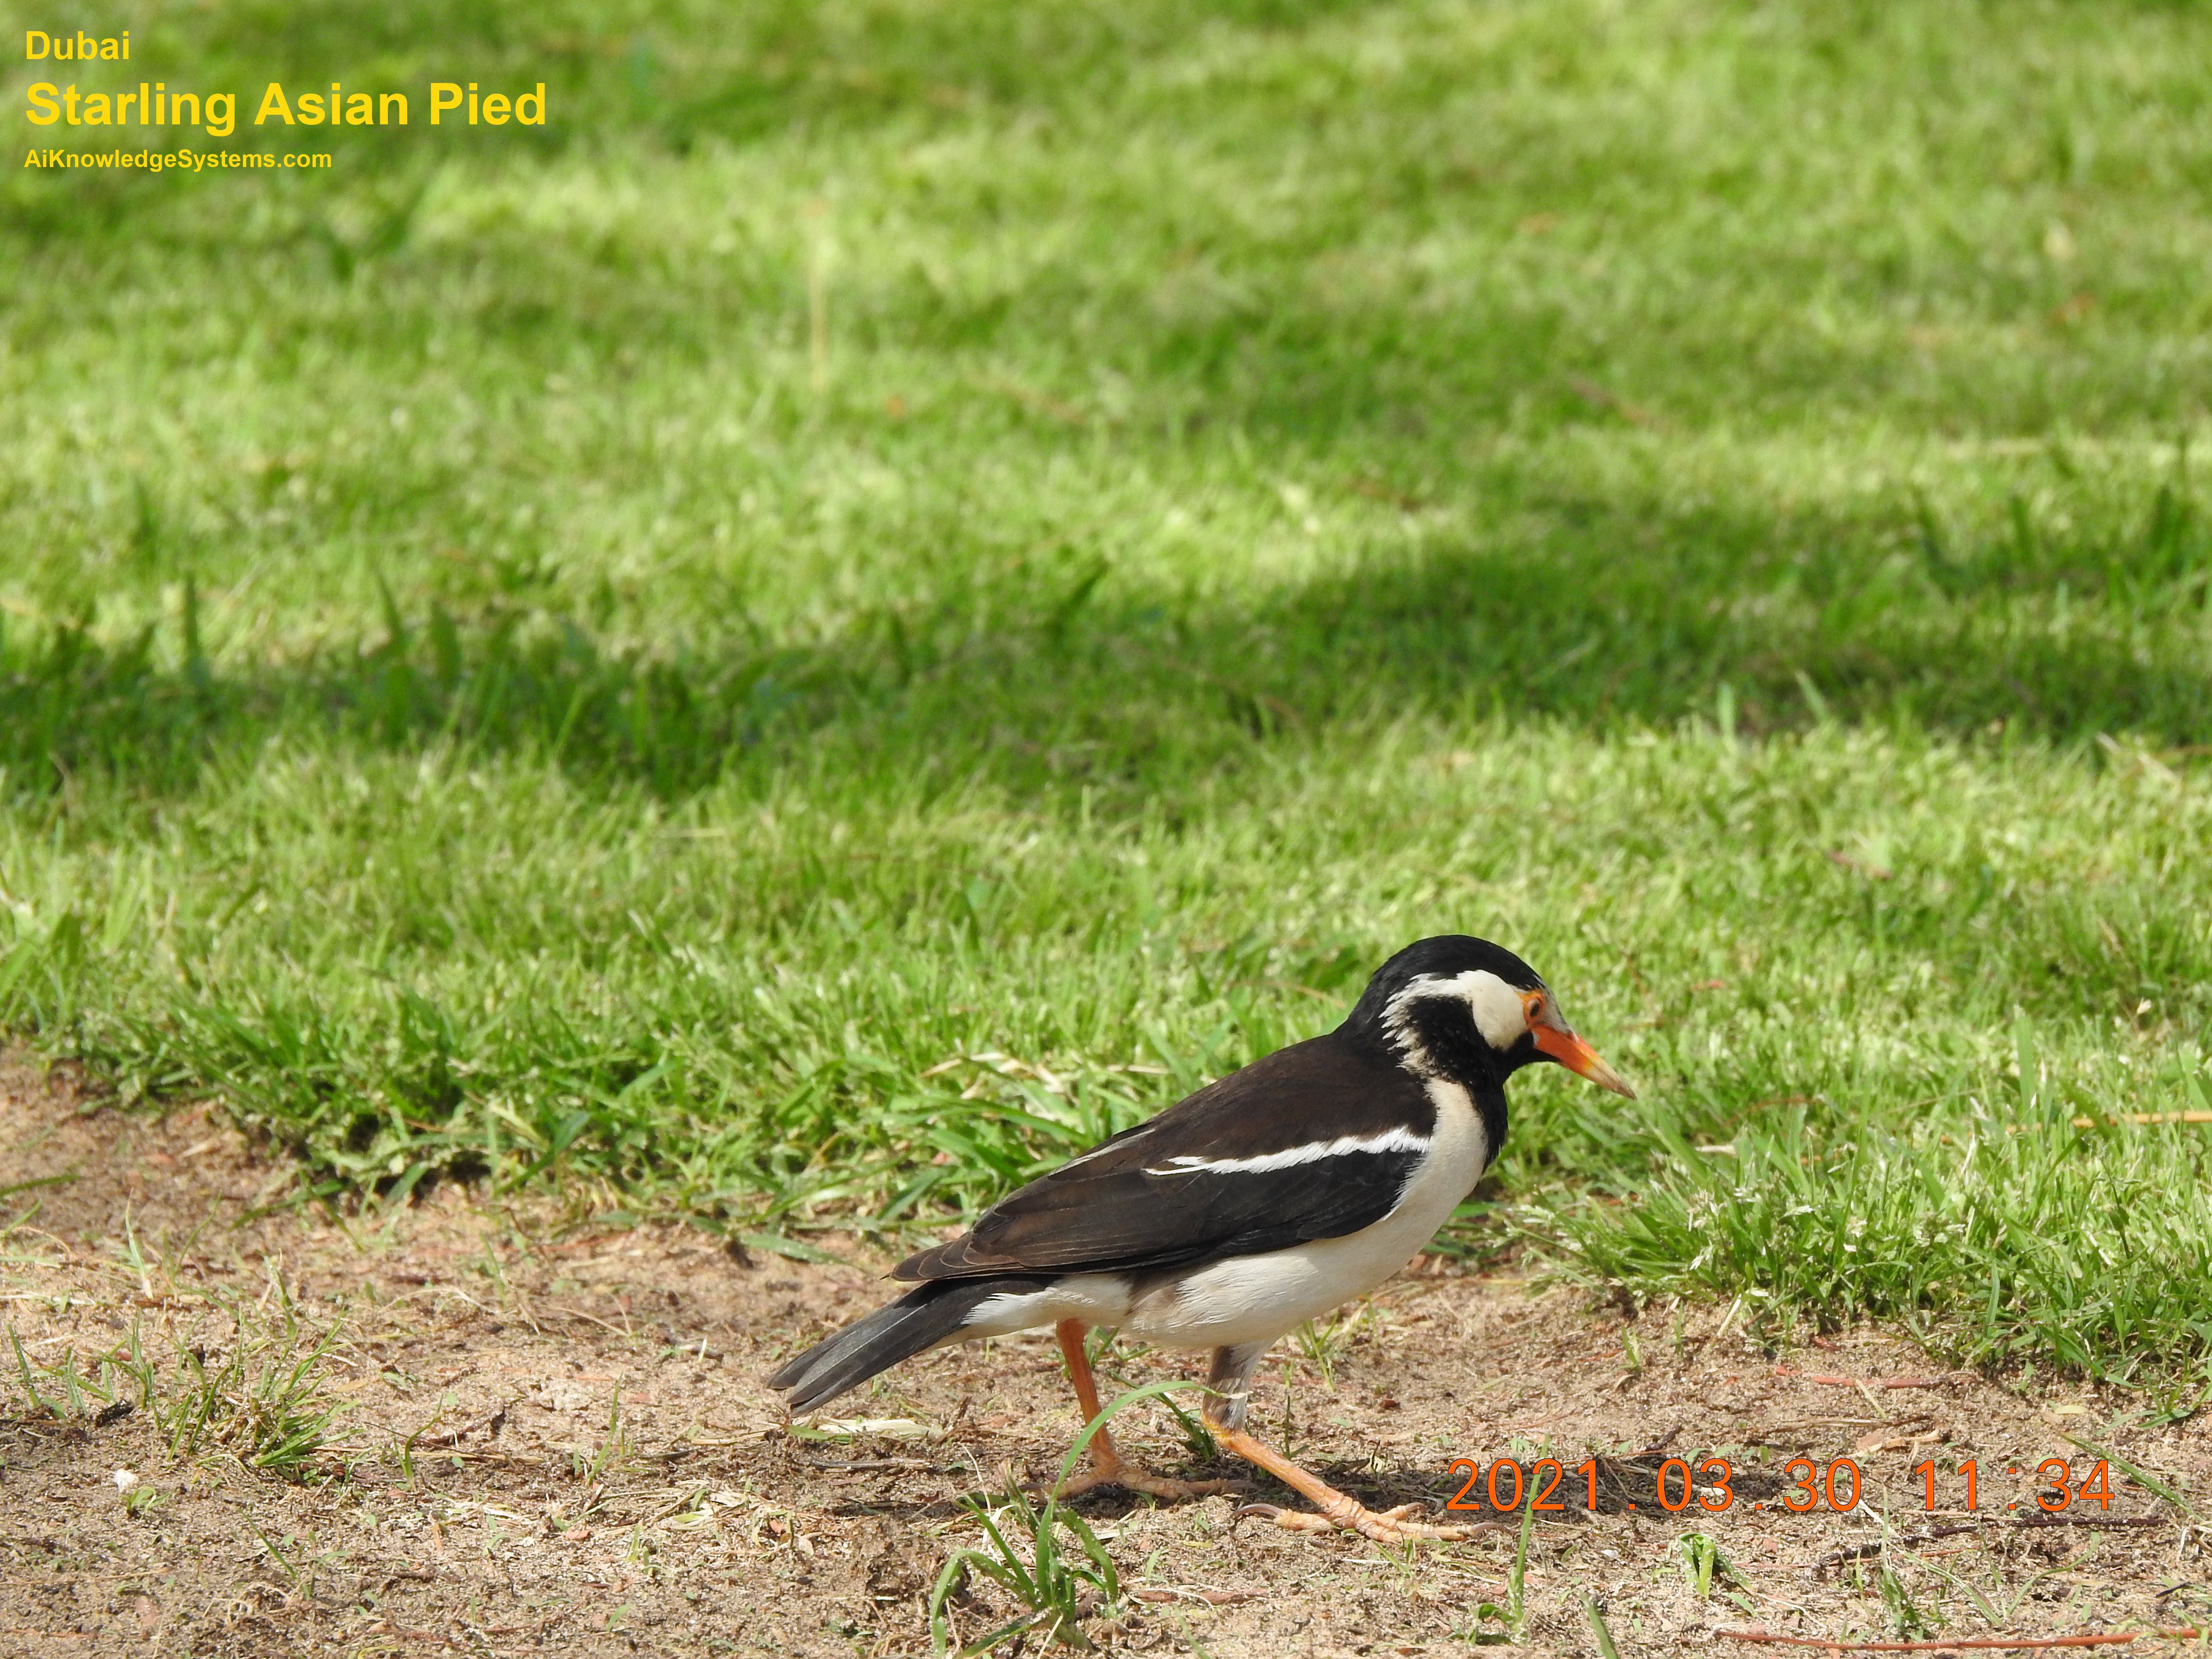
(1499,1013)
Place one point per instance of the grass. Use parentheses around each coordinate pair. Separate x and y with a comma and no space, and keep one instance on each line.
(1057,1587)
(1600,1631)
(900,587)
(1045,1577)
(265,1404)
(261,1398)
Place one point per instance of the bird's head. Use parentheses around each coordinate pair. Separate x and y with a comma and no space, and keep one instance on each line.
(1470,1010)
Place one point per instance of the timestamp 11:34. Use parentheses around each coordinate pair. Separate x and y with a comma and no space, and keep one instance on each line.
(1508,1485)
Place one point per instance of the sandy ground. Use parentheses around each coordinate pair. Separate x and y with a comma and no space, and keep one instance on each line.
(551,1434)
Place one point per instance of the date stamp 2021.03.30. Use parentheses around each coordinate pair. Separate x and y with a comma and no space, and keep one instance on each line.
(1547,1484)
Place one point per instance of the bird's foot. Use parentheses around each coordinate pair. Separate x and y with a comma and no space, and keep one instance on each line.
(1383,1526)
(1118,1473)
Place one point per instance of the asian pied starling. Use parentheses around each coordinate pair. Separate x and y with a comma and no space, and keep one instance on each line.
(1263,1200)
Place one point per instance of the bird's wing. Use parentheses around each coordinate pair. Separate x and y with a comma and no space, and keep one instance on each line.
(1315,1141)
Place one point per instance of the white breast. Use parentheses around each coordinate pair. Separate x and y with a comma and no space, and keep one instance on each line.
(1256,1298)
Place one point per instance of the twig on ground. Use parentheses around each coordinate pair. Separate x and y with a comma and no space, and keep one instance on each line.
(861,1464)
(1862,1552)
(2001,1643)
(1591,392)
(2025,1523)
(578,1313)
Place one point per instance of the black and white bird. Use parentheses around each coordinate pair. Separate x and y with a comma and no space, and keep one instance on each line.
(1263,1200)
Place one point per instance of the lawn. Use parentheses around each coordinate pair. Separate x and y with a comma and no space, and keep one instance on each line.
(901,584)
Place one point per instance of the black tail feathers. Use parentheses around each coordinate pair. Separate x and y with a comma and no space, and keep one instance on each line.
(922,1318)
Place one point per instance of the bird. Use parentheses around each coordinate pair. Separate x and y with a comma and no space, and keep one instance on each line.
(1266,1198)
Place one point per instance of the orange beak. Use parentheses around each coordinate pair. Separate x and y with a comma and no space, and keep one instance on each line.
(1577,1056)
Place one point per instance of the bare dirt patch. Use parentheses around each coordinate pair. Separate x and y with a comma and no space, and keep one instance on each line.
(550,1433)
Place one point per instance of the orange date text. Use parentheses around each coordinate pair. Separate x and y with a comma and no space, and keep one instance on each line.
(1548,1485)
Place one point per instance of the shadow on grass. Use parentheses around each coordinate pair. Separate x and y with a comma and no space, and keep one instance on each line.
(1055,673)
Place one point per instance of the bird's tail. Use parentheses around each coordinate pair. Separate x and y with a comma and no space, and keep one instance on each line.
(924,1317)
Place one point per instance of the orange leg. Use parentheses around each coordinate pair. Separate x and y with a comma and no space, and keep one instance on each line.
(1106,1468)
(1338,1511)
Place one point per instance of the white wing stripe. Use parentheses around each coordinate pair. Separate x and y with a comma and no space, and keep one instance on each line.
(1390,1140)
(1110,1145)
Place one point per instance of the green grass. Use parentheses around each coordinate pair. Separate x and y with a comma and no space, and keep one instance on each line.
(905,583)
